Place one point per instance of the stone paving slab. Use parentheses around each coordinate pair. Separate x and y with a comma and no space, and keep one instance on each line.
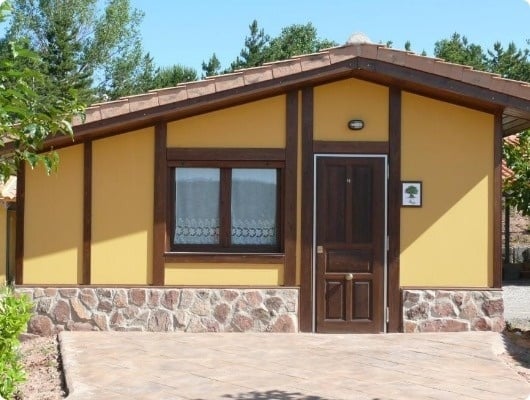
(254,366)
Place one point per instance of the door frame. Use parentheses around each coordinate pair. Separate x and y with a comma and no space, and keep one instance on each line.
(316,156)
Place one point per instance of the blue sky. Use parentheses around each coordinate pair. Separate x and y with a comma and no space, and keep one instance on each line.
(188,32)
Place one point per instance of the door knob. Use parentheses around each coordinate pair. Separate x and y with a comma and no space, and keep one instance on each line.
(348,277)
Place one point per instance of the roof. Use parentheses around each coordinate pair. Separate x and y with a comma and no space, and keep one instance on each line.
(409,71)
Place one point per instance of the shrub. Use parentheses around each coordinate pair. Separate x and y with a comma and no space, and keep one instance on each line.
(15,312)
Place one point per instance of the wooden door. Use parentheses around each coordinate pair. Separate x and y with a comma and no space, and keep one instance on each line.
(350,244)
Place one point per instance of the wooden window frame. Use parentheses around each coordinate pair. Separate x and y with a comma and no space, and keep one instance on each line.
(225,248)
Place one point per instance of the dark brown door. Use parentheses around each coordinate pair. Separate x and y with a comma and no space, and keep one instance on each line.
(350,244)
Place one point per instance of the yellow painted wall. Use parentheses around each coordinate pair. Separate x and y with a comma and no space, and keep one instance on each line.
(122,208)
(53,221)
(3,243)
(447,242)
(224,274)
(259,124)
(337,103)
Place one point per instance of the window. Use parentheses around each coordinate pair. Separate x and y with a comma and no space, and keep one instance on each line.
(232,208)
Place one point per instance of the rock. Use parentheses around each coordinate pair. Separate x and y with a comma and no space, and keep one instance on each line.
(480,324)
(186,298)
(101,321)
(117,319)
(274,303)
(120,298)
(221,312)
(242,323)
(170,299)
(88,298)
(254,299)
(261,315)
(105,306)
(61,312)
(229,295)
(104,293)
(43,305)
(443,309)
(50,292)
(160,321)
(81,326)
(153,298)
(40,325)
(38,293)
(201,307)
(493,308)
(79,310)
(137,296)
(418,312)
(284,324)
(409,327)
(181,319)
(68,293)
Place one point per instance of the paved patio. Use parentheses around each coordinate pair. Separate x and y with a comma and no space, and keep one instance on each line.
(112,365)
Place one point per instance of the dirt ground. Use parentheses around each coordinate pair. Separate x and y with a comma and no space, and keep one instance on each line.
(43,367)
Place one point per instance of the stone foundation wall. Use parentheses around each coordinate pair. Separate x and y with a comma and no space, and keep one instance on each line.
(165,309)
(452,310)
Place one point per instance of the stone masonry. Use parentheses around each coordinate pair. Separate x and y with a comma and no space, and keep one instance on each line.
(452,310)
(162,310)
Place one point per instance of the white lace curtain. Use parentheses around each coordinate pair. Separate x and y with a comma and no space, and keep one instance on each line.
(253,206)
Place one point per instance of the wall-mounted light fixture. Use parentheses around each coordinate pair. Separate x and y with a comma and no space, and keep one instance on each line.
(356,124)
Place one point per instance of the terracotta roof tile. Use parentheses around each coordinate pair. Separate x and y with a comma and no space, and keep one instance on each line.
(343,53)
(93,114)
(284,68)
(229,81)
(114,108)
(478,78)
(257,74)
(313,61)
(450,70)
(171,95)
(143,101)
(200,88)
(391,55)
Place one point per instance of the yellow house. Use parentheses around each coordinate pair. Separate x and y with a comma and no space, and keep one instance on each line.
(353,190)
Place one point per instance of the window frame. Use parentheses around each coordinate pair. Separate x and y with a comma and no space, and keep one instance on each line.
(225,247)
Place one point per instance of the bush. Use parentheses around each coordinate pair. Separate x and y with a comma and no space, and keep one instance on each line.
(15,312)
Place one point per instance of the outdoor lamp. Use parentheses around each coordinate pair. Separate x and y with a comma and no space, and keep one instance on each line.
(356,124)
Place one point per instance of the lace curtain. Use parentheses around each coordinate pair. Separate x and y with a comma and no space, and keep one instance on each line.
(253,206)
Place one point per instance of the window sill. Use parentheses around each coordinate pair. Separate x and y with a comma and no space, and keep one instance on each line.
(240,258)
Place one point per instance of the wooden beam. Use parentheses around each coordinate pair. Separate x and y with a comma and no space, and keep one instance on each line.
(306,276)
(350,147)
(19,245)
(225,154)
(290,195)
(87,213)
(394,209)
(160,205)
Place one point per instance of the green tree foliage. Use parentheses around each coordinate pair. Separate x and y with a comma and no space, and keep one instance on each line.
(458,50)
(253,54)
(29,114)
(15,312)
(212,67)
(172,76)
(295,40)
(83,45)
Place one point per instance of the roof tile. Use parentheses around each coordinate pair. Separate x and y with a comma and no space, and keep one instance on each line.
(92,114)
(172,95)
(200,88)
(421,63)
(342,53)
(114,108)
(315,61)
(478,78)
(453,71)
(367,50)
(257,74)
(142,102)
(229,81)
(392,56)
(287,67)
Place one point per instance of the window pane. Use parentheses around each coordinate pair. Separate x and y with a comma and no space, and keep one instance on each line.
(197,205)
(254,206)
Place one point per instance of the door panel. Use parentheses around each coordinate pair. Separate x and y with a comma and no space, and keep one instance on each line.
(350,244)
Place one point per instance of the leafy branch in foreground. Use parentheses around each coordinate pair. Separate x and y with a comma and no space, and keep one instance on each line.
(30,110)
